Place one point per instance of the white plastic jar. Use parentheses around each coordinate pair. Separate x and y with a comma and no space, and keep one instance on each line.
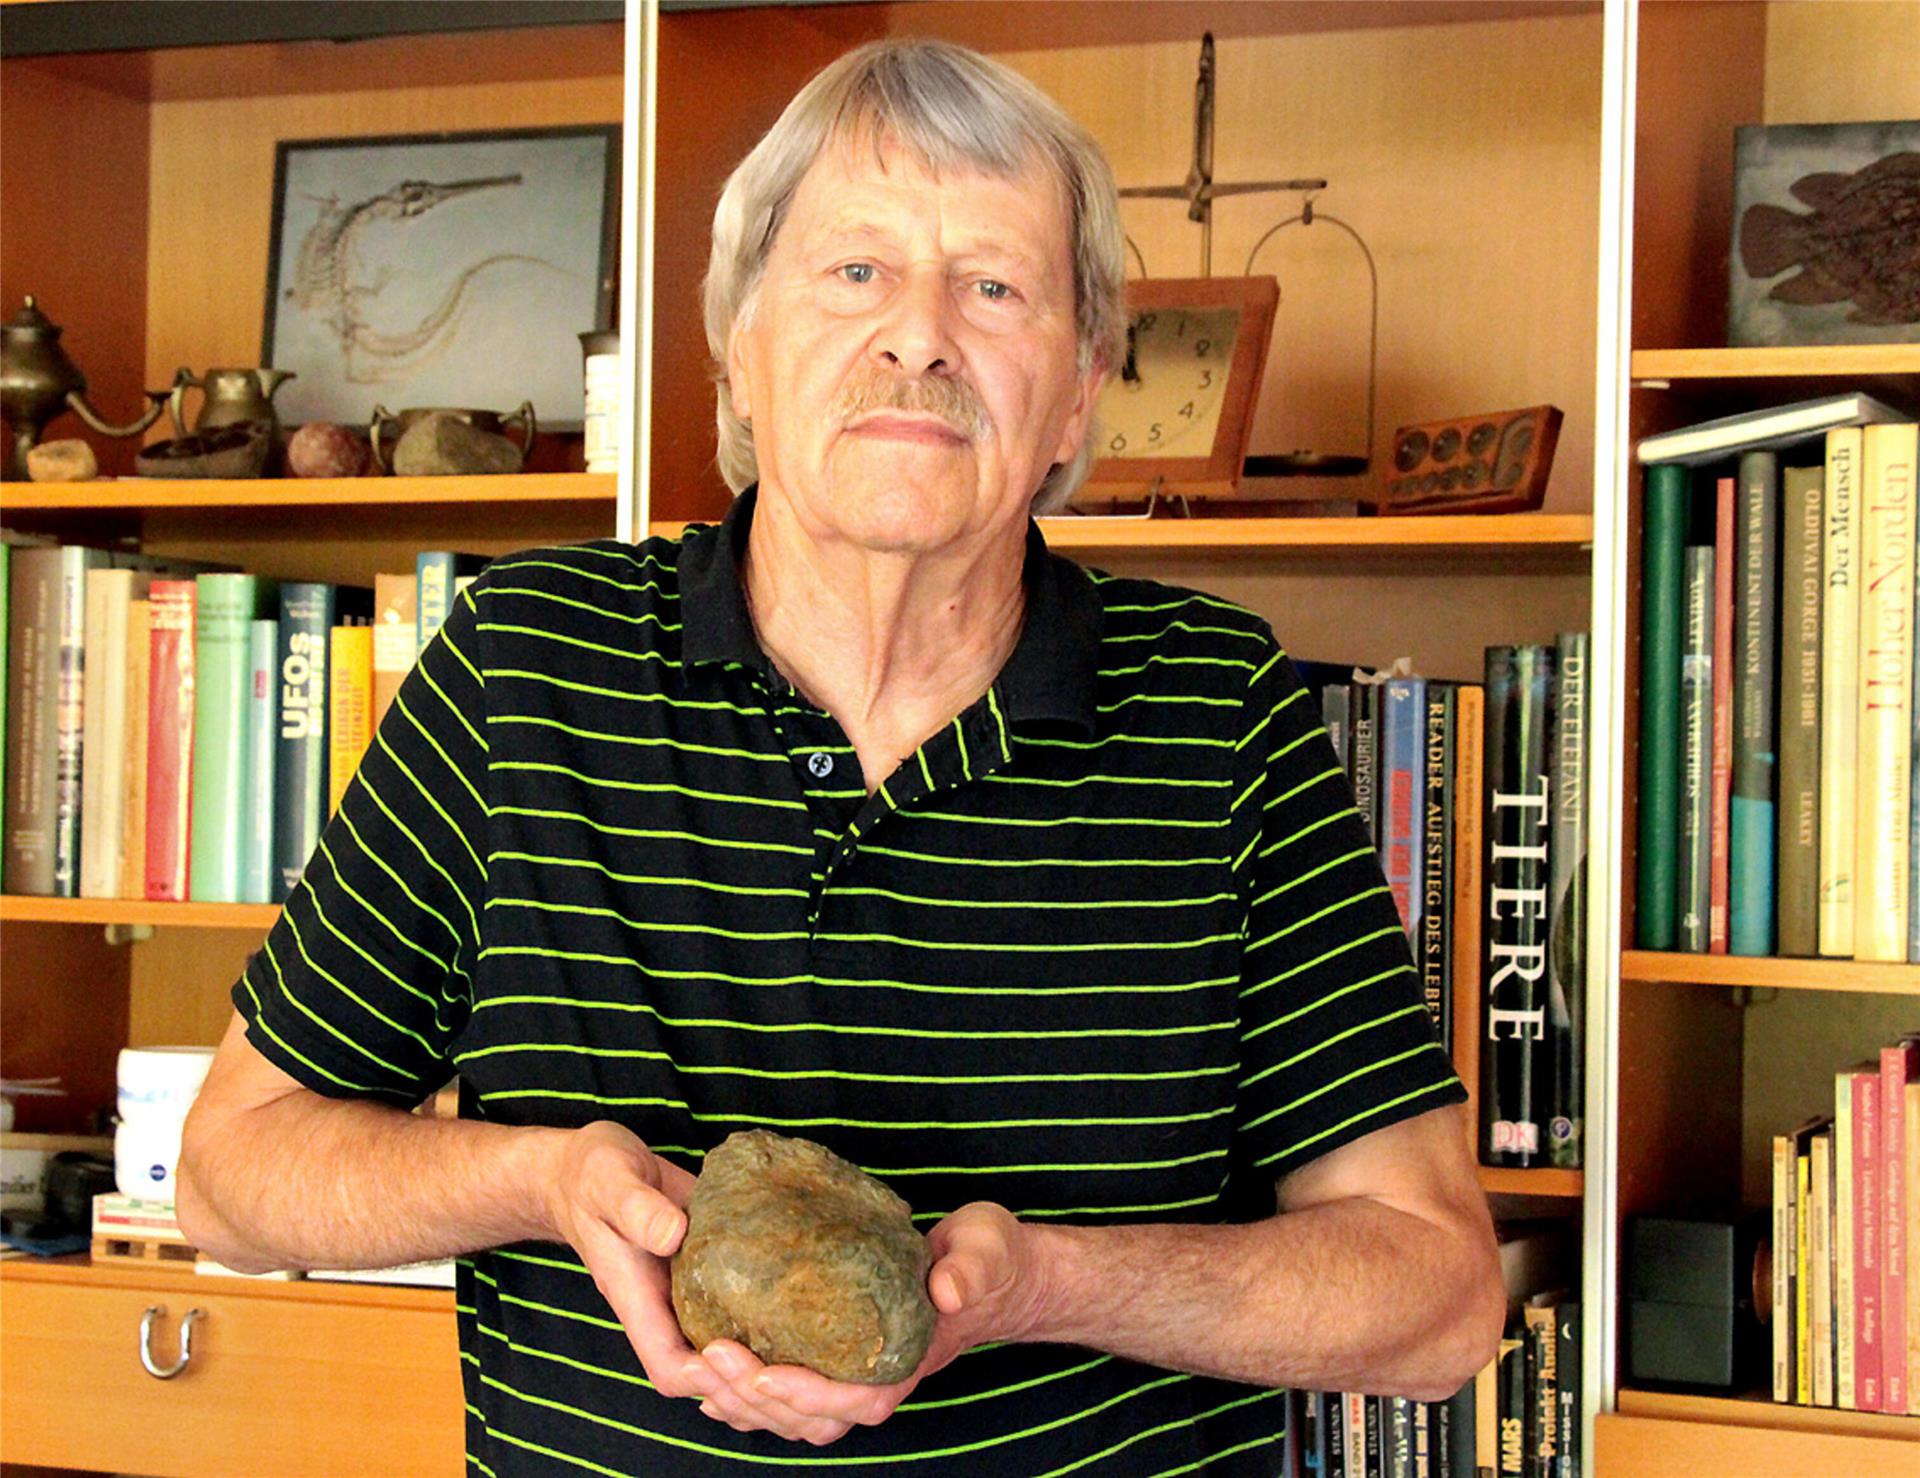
(157,1087)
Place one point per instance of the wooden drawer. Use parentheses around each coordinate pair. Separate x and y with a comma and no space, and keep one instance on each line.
(1655,1447)
(284,1379)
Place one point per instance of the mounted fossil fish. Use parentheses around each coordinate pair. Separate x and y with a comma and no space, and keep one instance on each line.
(1860,243)
(324,270)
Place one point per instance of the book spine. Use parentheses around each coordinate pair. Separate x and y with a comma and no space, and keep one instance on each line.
(1356,1419)
(1543,1393)
(1518,829)
(1696,752)
(1820,1262)
(396,637)
(1333,713)
(1486,1415)
(1799,719)
(350,707)
(1366,755)
(1662,597)
(33,644)
(1567,1340)
(1781,1325)
(1869,1242)
(1750,908)
(307,612)
(1398,1436)
(70,700)
(1839,688)
(1844,1393)
(1404,769)
(1332,1434)
(170,705)
(1719,851)
(257,872)
(1469,800)
(1884,773)
(1428,1460)
(1802,1271)
(1436,864)
(1376,1445)
(105,643)
(1513,1408)
(132,880)
(1910,1179)
(227,604)
(1567,900)
(1898,1067)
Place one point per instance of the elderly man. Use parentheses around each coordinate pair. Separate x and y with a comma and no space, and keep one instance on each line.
(1034,891)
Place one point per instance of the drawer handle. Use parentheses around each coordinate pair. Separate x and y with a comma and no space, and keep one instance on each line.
(186,1342)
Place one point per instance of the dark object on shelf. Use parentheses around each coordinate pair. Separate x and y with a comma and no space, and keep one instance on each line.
(73,1179)
(806,1260)
(1697,1291)
(327,449)
(39,384)
(235,451)
(1852,258)
(455,441)
(1497,462)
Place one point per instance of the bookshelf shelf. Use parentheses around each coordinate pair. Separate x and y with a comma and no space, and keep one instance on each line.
(1790,362)
(146,494)
(1779,974)
(1568,533)
(1759,1411)
(19,909)
(1496,1181)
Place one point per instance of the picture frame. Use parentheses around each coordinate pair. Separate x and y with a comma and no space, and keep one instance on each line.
(1820,212)
(440,269)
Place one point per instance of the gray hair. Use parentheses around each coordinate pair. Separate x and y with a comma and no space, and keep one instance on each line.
(949,108)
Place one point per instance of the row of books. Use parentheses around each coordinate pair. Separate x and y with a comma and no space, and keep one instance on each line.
(1777,739)
(1476,796)
(1521,1416)
(175,732)
(1846,1312)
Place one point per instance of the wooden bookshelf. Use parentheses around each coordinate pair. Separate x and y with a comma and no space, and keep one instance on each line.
(1777,974)
(1757,1410)
(1546,1181)
(18,908)
(312,495)
(1836,361)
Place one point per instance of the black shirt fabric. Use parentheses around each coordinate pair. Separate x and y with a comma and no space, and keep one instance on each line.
(1110,947)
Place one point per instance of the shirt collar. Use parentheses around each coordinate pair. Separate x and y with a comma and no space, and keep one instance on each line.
(1051,674)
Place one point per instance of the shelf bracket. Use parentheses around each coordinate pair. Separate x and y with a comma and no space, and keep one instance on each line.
(128,933)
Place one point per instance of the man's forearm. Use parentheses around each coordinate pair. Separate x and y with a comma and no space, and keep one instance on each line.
(1350,1295)
(307,1181)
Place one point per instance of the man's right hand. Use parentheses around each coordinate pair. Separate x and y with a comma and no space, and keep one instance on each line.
(621,1207)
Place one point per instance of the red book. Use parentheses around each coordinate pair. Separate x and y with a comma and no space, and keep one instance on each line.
(1869,1243)
(1899,1066)
(170,739)
(1719,819)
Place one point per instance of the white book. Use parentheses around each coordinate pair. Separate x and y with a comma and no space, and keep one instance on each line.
(1839,690)
(1883,771)
(103,727)
(1843,1331)
(1775,426)
(1782,1268)
(1820,1265)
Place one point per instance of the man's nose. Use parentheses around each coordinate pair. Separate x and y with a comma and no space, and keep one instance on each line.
(916,336)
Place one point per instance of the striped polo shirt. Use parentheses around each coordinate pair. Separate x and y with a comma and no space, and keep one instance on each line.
(1111,946)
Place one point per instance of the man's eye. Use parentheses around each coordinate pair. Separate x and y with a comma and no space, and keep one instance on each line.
(858,272)
(995,292)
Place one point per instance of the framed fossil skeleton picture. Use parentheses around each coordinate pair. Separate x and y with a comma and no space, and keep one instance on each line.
(454,269)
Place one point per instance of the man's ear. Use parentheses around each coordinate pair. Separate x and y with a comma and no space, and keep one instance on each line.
(737,379)
(1081,415)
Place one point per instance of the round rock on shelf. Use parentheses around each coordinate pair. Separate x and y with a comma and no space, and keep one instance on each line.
(805,1260)
(70,460)
(326,449)
(441,445)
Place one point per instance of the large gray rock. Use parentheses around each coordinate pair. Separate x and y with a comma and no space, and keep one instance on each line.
(805,1260)
(441,445)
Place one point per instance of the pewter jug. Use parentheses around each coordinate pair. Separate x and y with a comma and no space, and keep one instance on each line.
(230,396)
(39,383)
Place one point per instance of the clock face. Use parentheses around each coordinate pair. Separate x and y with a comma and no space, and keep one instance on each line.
(1166,400)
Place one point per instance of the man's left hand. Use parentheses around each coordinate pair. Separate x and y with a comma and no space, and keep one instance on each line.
(986,1284)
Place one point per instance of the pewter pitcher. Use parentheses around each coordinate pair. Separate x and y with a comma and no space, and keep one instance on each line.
(230,396)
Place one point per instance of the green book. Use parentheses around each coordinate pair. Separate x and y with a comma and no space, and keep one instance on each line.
(227,605)
(1756,639)
(1662,604)
(1803,519)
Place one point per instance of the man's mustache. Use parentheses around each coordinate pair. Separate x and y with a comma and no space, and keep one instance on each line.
(953,401)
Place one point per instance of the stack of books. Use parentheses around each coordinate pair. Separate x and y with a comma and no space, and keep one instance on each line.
(174,732)
(1475,795)
(1776,686)
(1846,1312)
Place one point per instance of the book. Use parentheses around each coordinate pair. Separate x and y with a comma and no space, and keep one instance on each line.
(1333,714)
(1512,1457)
(439,576)
(1770,427)
(1397,1436)
(1331,1434)
(1756,614)
(1373,1436)
(1662,572)
(1899,1066)
(1543,1391)
(1802,1266)
(43,713)
(1469,801)
(349,707)
(1820,1262)
(226,607)
(170,708)
(1719,846)
(1798,842)
(1567,1337)
(258,875)
(1869,1238)
(1845,1309)
(396,637)
(1884,772)
(1486,1413)
(132,848)
(1403,775)
(1356,1419)
(1839,688)
(1910,1178)
(70,715)
(1695,852)
(1565,1043)
(1518,826)
(104,726)
(309,610)
(1435,941)
(1366,753)
(1781,1269)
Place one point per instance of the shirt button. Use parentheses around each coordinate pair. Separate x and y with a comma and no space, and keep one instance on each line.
(821,765)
